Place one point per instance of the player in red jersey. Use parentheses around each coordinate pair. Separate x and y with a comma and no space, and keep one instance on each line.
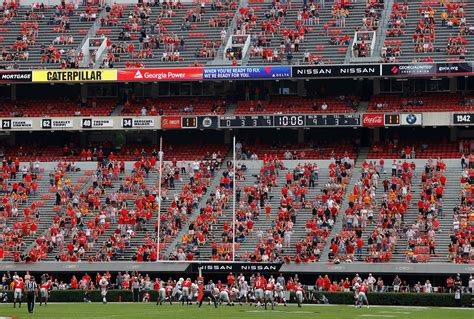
(362,295)
(44,292)
(18,293)
(269,289)
(259,284)
(187,295)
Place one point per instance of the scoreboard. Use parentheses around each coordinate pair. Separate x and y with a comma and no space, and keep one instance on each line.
(246,121)
(293,120)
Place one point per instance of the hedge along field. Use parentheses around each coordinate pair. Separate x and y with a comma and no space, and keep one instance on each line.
(388,299)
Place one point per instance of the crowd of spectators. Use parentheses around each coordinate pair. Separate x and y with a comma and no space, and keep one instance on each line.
(461,249)
(421,235)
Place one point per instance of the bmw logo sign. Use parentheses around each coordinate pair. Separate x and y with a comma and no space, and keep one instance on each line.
(411,119)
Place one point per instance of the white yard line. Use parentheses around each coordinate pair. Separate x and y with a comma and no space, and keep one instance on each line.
(395,312)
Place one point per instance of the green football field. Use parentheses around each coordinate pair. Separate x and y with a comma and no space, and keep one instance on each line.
(150,310)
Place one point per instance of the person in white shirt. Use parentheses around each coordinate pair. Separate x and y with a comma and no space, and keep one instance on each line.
(103,283)
(428,287)
(471,284)
(371,281)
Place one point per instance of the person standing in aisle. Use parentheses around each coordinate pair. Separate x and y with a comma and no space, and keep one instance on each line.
(31,292)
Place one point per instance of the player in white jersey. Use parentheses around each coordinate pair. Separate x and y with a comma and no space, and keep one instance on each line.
(299,292)
(163,293)
(177,290)
(194,290)
(280,293)
(224,296)
(233,294)
(356,288)
(244,290)
(103,283)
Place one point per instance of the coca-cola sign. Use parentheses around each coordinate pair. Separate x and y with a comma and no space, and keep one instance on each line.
(372,120)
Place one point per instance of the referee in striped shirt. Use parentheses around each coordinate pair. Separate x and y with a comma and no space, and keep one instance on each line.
(31,292)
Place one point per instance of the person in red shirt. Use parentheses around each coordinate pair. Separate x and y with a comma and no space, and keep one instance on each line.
(334,287)
(326,283)
(289,178)
(230,280)
(74,284)
(319,283)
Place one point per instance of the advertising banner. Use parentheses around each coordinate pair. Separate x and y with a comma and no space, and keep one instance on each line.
(15,76)
(454,68)
(235,267)
(327,71)
(411,119)
(432,69)
(372,120)
(170,122)
(164,74)
(74,75)
(409,69)
(229,73)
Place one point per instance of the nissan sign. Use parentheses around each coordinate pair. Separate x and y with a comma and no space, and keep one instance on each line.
(325,71)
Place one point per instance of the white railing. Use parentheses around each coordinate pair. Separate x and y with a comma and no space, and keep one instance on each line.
(369,38)
(85,49)
(237,41)
(101,53)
